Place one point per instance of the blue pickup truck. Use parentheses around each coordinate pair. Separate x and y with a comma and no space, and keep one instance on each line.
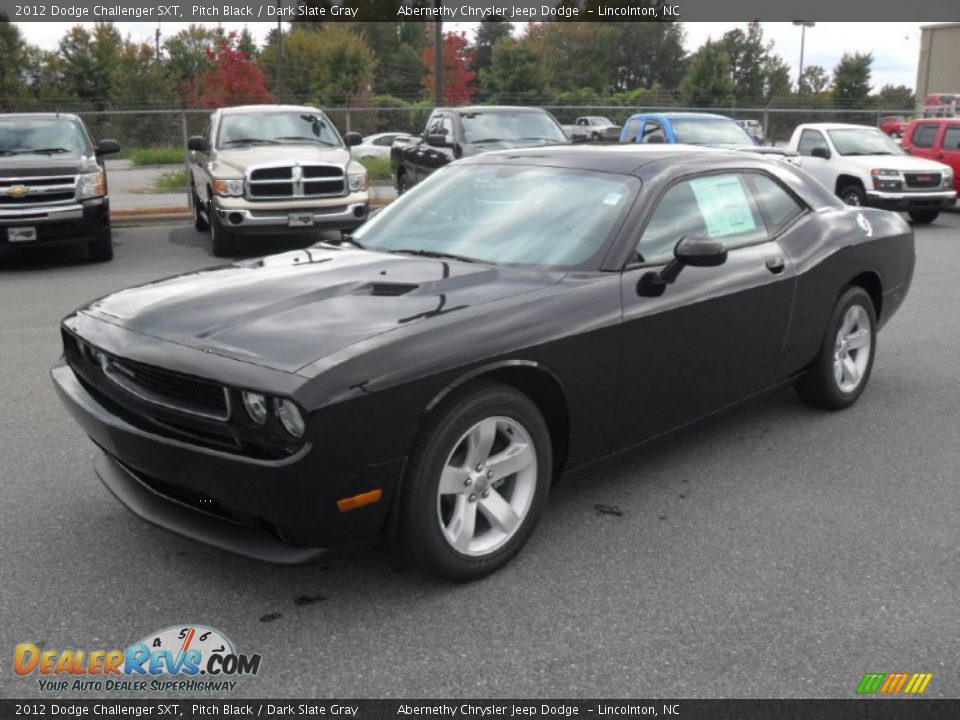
(688,128)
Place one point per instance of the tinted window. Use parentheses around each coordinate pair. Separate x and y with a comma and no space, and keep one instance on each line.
(777,204)
(652,133)
(810,139)
(951,139)
(385,140)
(446,127)
(271,127)
(479,127)
(924,136)
(716,206)
(25,136)
(630,132)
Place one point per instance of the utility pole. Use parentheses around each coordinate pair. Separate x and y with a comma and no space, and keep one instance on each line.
(803,24)
(157,36)
(438,55)
(279,56)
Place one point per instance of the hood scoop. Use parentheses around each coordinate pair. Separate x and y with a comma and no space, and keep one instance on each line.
(386,289)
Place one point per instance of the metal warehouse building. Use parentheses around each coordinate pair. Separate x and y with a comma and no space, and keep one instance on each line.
(939,68)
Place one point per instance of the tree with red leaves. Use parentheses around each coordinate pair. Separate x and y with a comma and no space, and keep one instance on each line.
(458,78)
(233,78)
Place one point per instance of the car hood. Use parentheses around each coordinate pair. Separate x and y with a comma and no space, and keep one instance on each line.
(24,166)
(286,311)
(242,159)
(906,163)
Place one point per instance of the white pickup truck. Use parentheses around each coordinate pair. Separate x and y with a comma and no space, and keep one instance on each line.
(865,167)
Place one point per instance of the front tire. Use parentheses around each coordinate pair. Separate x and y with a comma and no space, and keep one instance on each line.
(199,221)
(924,217)
(402,183)
(224,241)
(476,484)
(101,250)
(842,368)
(852,195)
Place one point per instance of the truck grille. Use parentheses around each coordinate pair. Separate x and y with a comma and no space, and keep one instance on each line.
(32,191)
(297,181)
(148,383)
(922,180)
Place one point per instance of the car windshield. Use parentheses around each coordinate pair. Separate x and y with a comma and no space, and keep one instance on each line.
(702,131)
(268,128)
(54,136)
(511,214)
(863,141)
(479,127)
(596,120)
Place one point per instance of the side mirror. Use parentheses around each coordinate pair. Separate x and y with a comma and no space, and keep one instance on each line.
(108,147)
(198,143)
(693,250)
(820,152)
(352,138)
(438,140)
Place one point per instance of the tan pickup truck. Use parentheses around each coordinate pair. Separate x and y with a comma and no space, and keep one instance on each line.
(271,170)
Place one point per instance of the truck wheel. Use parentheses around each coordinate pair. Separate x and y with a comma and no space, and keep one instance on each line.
(199,222)
(101,250)
(224,242)
(852,195)
(595,137)
(402,183)
(922,217)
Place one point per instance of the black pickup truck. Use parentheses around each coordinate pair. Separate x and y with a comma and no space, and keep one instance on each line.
(453,133)
(53,185)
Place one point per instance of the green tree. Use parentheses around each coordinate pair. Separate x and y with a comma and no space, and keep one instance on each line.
(776,78)
(574,54)
(515,72)
(746,52)
(813,81)
(139,81)
(190,56)
(13,50)
(643,54)
(851,80)
(492,29)
(896,97)
(707,82)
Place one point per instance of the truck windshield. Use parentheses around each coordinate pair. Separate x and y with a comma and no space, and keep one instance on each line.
(269,128)
(511,214)
(479,127)
(709,131)
(866,141)
(33,136)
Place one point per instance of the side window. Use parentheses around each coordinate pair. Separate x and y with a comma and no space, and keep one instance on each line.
(386,140)
(951,138)
(582,122)
(652,133)
(778,206)
(206,132)
(631,130)
(434,125)
(809,139)
(446,127)
(716,206)
(925,135)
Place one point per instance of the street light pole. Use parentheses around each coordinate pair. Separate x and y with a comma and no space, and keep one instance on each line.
(804,24)
(438,56)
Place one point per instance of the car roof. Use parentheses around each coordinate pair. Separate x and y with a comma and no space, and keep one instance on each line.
(684,115)
(836,126)
(935,120)
(39,116)
(491,108)
(625,159)
(239,109)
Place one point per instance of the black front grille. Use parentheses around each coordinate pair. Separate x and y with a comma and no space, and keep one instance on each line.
(923,180)
(323,187)
(322,171)
(180,391)
(296,181)
(271,189)
(278,173)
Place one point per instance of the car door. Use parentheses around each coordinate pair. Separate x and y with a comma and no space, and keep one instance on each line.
(922,140)
(435,158)
(198,164)
(716,334)
(820,168)
(950,150)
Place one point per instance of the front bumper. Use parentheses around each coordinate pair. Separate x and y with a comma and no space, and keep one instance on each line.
(80,222)
(241,216)
(281,511)
(938,200)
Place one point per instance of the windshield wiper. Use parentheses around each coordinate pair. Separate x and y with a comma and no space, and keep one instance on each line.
(433,254)
(344,239)
(38,151)
(546,139)
(486,140)
(305,139)
(249,141)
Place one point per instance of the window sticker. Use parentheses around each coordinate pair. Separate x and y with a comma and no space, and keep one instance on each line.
(724,205)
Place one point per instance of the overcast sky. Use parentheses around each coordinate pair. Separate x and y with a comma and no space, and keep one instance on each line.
(895,46)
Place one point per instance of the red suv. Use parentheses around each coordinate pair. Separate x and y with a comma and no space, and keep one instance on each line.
(936,139)
(893,125)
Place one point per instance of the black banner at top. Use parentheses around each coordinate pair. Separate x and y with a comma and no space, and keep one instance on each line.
(473,10)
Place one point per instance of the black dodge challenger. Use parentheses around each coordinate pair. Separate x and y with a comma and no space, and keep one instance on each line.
(518,315)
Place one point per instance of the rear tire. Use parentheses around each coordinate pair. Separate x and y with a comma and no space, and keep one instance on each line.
(101,250)
(402,183)
(924,217)
(224,242)
(476,483)
(842,368)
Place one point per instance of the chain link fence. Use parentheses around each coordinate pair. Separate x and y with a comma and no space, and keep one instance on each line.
(149,175)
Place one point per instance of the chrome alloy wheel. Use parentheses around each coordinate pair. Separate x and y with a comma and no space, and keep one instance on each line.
(487,486)
(852,349)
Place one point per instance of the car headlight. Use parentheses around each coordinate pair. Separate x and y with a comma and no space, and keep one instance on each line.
(885,179)
(290,417)
(256,406)
(358,181)
(93,185)
(948,178)
(228,187)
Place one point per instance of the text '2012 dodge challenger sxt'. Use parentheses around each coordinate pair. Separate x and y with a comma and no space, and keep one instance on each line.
(516,316)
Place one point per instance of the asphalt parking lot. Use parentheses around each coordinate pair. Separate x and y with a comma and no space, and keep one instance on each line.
(776,552)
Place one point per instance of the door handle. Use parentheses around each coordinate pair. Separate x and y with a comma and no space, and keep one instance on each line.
(776,265)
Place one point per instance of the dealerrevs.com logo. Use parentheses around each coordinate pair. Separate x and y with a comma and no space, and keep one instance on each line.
(188,657)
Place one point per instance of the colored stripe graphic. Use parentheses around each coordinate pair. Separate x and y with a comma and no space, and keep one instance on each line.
(871,682)
(894,683)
